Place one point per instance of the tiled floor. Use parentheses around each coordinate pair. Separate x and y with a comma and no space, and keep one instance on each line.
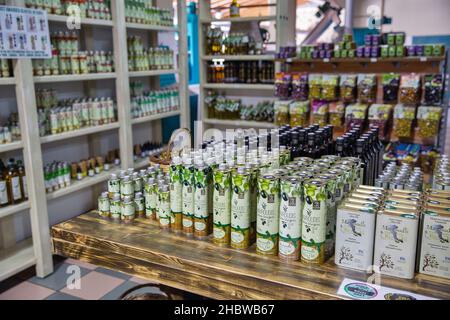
(95,283)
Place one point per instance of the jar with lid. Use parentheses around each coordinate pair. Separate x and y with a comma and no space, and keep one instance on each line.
(128,211)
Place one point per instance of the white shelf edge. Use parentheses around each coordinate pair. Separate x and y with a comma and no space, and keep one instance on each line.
(149,27)
(155,117)
(255,57)
(86,21)
(82,184)
(240,19)
(16,145)
(7,81)
(18,260)
(151,73)
(239,86)
(12,209)
(75,77)
(80,132)
(240,123)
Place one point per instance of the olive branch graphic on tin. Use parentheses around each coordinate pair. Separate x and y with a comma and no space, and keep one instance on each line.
(430,261)
(345,254)
(386,261)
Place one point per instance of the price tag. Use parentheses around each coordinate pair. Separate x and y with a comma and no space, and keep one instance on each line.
(326,60)
(373,60)
(289,60)
(423,59)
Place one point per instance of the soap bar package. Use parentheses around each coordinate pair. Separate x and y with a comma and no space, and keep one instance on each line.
(396,242)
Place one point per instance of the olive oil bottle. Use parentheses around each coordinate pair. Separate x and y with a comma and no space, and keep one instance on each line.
(4,198)
(23,179)
(13,183)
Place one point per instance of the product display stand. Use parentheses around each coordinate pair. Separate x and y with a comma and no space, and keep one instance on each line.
(15,257)
(208,270)
(284,20)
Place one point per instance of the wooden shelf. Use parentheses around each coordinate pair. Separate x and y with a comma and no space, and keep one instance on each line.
(240,123)
(142,249)
(238,86)
(12,209)
(16,259)
(256,57)
(240,19)
(363,60)
(151,73)
(155,117)
(75,77)
(141,163)
(16,145)
(82,184)
(79,133)
(149,27)
(84,21)
(7,81)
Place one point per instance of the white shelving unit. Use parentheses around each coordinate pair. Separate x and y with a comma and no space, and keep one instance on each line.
(283,15)
(15,257)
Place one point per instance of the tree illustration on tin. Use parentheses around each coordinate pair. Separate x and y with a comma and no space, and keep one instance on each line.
(345,254)
(430,261)
(386,261)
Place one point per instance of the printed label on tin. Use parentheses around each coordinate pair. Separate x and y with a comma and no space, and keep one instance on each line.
(128,209)
(176,197)
(188,200)
(114,186)
(309,253)
(222,196)
(264,244)
(290,210)
(240,202)
(314,216)
(200,226)
(187,223)
(286,247)
(237,237)
(218,233)
(268,207)
(200,203)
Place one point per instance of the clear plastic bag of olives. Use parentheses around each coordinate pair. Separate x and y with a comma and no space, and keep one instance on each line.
(348,88)
(336,114)
(281,109)
(298,113)
(300,86)
(283,85)
(380,116)
(315,83)
(329,87)
(410,89)
(367,88)
(390,83)
(355,114)
(428,120)
(432,87)
(403,120)
(319,109)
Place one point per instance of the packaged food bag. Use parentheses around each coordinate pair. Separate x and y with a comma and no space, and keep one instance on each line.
(298,113)
(410,89)
(432,88)
(367,88)
(319,109)
(315,82)
(336,111)
(348,87)
(281,109)
(330,84)
(380,116)
(428,120)
(390,83)
(403,120)
(300,89)
(355,114)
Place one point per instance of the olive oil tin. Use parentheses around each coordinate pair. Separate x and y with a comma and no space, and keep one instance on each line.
(355,238)
(291,206)
(347,178)
(115,206)
(139,203)
(267,218)
(331,213)
(254,173)
(435,244)
(128,209)
(222,206)
(201,210)
(240,208)
(395,243)
(176,195)
(150,194)
(104,205)
(188,202)
(164,207)
(314,220)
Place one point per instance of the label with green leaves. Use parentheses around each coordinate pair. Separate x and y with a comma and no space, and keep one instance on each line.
(201,194)
(163,208)
(291,205)
(222,202)
(115,209)
(267,219)
(150,197)
(240,202)
(114,186)
(176,200)
(187,175)
(314,217)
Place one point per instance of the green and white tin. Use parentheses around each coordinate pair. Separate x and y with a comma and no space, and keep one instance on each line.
(128,209)
(150,196)
(267,220)
(104,205)
(163,208)
(115,206)
(176,200)
(331,213)
(222,205)
(240,208)
(201,210)
(188,196)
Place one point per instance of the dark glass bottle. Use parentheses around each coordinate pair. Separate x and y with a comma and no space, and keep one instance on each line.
(296,148)
(339,148)
(4,198)
(320,141)
(364,161)
(311,148)
(13,183)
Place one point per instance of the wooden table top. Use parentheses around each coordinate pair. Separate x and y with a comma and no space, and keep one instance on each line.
(142,249)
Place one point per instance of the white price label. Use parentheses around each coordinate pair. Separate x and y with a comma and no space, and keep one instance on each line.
(326,60)
(373,60)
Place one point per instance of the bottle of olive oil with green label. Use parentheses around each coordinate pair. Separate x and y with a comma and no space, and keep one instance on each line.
(13,183)
(4,197)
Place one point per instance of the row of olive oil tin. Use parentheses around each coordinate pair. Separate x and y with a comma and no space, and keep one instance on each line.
(394,232)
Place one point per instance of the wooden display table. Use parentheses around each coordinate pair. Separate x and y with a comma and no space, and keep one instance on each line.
(142,249)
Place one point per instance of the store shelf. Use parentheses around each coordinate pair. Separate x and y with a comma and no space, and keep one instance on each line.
(16,259)
(155,117)
(364,60)
(11,146)
(82,184)
(240,123)
(79,133)
(240,19)
(141,26)
(7,81)
(84,21)
(12,209)
(268,57)
(75,77)
(238,86)
(151,73)
(141,163)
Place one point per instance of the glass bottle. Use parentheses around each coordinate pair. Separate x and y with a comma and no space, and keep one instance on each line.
(4,199)
(13,183)
(364,161)
(23,179)
(234,9)
(311,148)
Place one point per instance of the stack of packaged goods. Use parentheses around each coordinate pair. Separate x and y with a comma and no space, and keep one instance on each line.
(394,232)
(140,59)
(250,72)
(71,114)
(402,177)
(13,183)
(94,9)
(60,174)
(154,102)
(142,11)
(67,59)
(233,43)
(10,132)
(441,174)
(251,189)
